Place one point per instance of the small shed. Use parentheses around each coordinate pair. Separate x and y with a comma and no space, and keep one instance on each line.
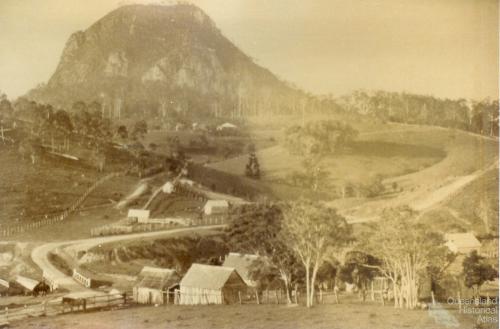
(154,284)
(216,207)
(462,243)
(138,214)
(242,263)
(208,284)
(26,283)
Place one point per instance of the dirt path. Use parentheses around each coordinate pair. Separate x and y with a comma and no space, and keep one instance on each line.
(422,201)
(40,254)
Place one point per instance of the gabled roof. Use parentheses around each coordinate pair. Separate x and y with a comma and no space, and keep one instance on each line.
(242,263)
(208,276)
(156,278)
(26,283)
(457,241)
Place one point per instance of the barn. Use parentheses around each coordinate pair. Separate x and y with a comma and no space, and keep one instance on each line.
(208,284)
(154,284)
(216,207)
(242,263)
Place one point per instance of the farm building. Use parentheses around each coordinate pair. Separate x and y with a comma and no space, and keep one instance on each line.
(153,285)
(138,214)
(27,284)
(462,243)
(242,264)
(216,207)
(207,284)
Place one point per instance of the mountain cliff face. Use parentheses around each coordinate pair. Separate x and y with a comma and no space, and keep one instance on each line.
(152,59)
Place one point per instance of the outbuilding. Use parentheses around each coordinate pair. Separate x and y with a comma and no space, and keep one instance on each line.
(462,243)
(242,263)
(208,284)
(140,215)
(216,207)
(155,285)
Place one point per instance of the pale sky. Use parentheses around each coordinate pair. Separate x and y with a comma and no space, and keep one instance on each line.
(447,48)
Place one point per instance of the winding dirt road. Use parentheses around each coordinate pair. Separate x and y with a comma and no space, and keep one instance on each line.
(40,254)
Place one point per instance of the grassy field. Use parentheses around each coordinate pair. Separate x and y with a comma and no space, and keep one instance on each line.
(411,156)
(217,147)
(29,192)
(341,316)
(76,226)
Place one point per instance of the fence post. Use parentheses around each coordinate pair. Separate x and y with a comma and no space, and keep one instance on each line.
(459,303)
(257,296)
(239,296)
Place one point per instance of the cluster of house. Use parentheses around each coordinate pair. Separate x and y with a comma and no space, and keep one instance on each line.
(211,208)
(202,284)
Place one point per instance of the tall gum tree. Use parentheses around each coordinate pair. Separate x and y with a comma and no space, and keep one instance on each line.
(406,249)
(312,230)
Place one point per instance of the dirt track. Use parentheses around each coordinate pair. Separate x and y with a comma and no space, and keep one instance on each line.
(39,255)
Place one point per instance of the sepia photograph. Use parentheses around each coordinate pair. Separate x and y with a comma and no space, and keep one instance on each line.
(249,164)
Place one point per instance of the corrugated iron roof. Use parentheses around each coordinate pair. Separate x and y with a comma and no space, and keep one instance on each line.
(27,283)
(156,278)
(207,276)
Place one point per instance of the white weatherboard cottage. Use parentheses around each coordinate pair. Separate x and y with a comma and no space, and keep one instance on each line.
(140,215)
(216,207)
